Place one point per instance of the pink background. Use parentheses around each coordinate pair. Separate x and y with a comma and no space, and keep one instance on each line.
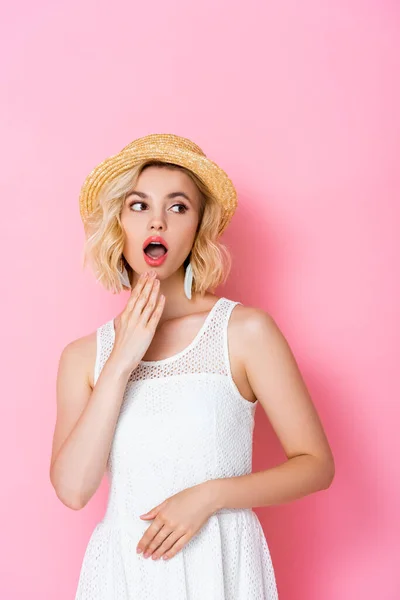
(299,102)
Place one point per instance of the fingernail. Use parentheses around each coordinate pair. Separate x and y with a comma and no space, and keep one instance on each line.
(138,550)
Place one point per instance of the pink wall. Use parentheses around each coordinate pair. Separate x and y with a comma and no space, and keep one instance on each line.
(299,102)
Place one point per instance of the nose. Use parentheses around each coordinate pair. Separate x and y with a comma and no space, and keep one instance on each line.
(157,223)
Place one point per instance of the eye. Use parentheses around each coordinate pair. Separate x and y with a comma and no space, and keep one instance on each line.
(185,208)
(179,205)
(134,204)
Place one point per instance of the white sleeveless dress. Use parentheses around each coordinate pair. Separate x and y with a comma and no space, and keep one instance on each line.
(182,422)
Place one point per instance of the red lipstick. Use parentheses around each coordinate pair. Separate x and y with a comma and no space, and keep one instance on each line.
(155,262)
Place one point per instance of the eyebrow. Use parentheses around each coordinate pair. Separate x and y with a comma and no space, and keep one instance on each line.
(169,196)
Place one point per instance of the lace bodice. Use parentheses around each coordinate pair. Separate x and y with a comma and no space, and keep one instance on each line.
(207,353)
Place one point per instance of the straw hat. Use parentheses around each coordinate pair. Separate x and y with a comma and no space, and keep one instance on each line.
(165,147)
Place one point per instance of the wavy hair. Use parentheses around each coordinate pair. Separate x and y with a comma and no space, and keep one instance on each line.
(210,259)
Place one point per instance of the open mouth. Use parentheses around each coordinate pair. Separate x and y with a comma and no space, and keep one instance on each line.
(155,250)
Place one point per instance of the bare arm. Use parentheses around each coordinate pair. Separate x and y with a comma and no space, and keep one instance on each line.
(278,385)
(86,418)
(86,421)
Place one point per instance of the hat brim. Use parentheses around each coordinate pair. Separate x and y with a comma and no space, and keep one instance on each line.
(213,177)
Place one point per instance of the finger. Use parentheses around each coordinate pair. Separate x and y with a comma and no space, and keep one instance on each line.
(142,279)
(151,303)
(167,544)
(177,546)
(155,317)
(151,514)
(148,535)
(143,297)
(154,510)
(136,290)
(158,539)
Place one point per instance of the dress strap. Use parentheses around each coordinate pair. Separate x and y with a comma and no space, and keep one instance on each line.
(228,311)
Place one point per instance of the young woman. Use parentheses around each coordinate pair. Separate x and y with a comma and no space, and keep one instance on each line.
(162,397)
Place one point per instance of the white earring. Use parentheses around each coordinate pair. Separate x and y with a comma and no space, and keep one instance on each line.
(123,276)
(187,285)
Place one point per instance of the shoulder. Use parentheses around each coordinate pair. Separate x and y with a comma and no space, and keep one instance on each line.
(256,329)
(81,354)
(253,321)
(263,353)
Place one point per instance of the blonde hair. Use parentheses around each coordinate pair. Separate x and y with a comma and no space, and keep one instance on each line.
(209,258)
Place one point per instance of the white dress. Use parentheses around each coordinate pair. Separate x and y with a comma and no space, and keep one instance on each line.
(182,422)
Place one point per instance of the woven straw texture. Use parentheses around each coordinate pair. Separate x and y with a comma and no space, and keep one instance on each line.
(165,147)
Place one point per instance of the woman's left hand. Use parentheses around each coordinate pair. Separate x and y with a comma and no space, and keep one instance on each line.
(176,520)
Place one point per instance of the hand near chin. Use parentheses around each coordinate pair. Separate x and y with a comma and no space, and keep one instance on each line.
(138,322)
(176,520)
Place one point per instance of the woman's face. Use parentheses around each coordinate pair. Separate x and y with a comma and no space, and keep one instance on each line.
(163,203)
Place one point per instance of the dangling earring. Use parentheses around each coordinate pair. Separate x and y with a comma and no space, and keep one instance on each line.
(123,276)
(187,285)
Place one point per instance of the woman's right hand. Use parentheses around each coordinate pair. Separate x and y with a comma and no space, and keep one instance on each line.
(138,322)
